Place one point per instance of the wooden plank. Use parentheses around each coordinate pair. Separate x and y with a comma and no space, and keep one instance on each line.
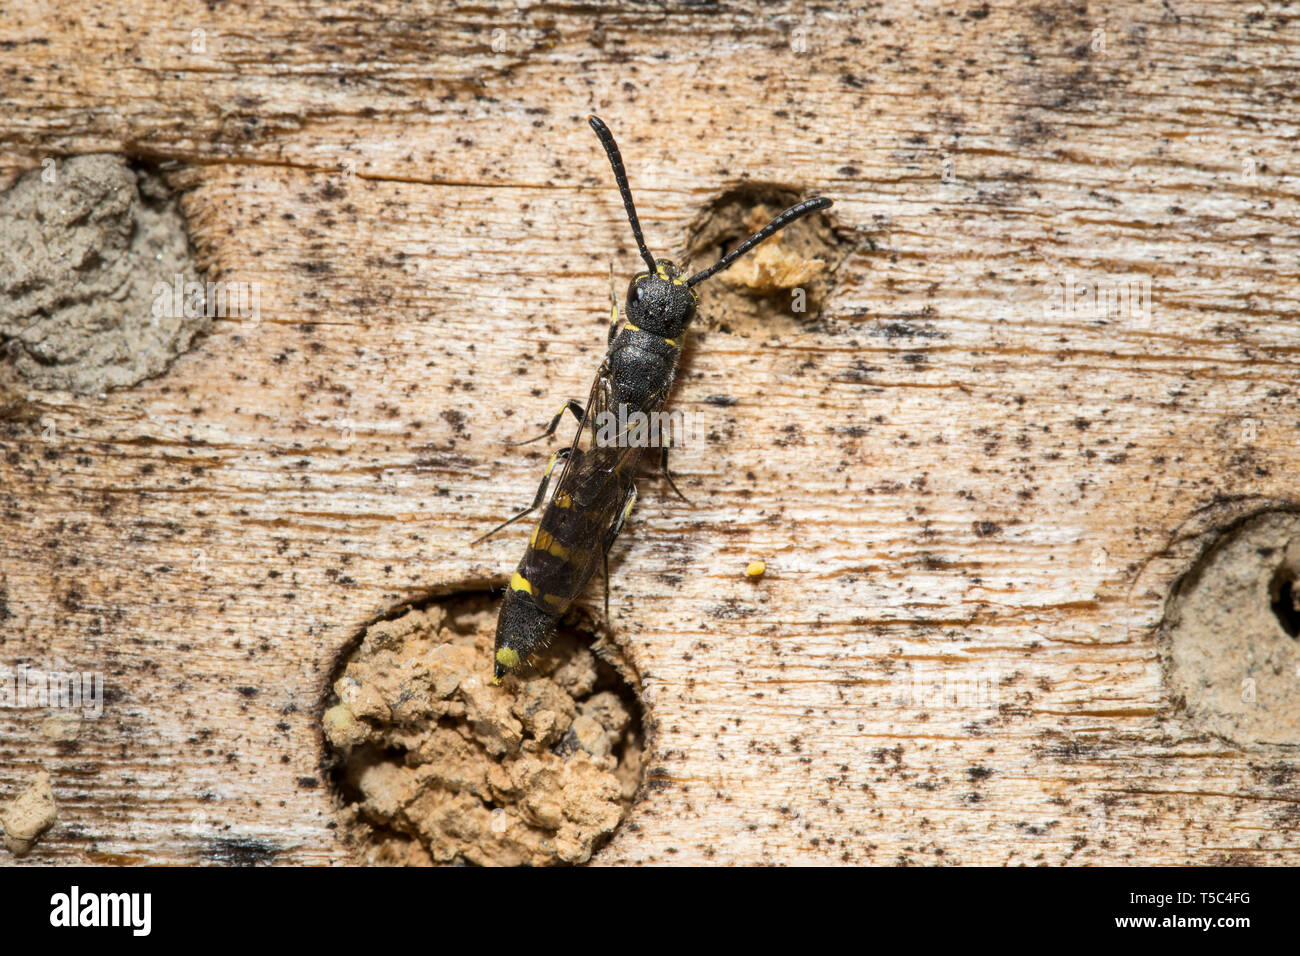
(951,483)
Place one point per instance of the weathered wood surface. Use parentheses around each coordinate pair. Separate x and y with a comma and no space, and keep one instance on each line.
(946,483)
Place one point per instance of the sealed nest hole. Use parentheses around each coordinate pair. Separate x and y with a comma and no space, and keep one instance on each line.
(780,285)
(87,244)
(1229,638)
(432,763)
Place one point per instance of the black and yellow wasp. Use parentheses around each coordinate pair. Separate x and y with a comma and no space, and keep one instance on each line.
(596,490)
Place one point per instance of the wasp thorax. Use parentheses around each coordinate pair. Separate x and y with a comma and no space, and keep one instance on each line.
(661,302)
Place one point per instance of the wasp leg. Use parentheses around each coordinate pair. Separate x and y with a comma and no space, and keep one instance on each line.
(613,308)
(572,405)
(561,455)
(610,536)
(663,466)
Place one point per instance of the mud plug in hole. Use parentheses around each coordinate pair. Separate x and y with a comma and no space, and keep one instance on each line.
(99,287)
(432,763)
(785,279)
(1229,637)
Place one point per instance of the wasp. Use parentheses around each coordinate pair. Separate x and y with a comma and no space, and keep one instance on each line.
(596,489)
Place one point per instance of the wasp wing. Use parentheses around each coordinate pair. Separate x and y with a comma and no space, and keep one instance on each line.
(571,538)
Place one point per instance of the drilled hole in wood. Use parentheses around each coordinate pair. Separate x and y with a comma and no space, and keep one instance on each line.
(432,763)
(781,284)
(1285,600)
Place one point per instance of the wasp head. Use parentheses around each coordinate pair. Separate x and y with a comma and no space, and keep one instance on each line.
(661,302)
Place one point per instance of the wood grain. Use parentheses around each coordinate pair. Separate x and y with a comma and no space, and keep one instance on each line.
(950,485)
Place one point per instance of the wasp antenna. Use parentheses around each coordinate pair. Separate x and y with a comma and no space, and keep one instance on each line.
(780,222)
(616,160)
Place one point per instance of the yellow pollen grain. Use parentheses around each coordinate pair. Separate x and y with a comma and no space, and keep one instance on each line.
(755,569)
(508,657)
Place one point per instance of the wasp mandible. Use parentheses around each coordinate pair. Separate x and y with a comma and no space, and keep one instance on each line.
(596,490)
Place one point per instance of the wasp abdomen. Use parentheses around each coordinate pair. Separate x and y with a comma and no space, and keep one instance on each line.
(522,629)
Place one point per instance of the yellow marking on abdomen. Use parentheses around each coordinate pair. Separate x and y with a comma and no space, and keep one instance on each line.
(545,541)
(520,583)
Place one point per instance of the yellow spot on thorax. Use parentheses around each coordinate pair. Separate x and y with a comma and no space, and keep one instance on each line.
(629,327)
(520,583)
